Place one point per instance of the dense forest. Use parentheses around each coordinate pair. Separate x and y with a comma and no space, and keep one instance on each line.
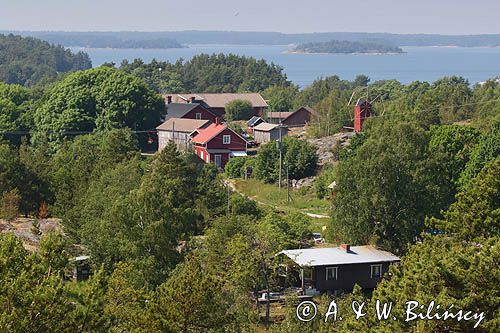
(28,61)
(208,73)
(107,40)
(261,38)
(174,249)
(343,46)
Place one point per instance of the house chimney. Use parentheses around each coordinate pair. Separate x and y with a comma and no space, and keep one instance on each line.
(169,99)
(346,247)
(193,99)
(217,121)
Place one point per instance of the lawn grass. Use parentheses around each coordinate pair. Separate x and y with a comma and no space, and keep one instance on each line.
(270,195)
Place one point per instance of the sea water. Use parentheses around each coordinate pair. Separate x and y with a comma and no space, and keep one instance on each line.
(476,64)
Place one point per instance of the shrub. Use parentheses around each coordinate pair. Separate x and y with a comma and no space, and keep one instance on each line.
(234,166)
(239,110)
(9,205)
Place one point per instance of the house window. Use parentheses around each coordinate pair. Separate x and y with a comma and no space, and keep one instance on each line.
(376,271)
(198,116)
(331,273)
(218,160)
(202,155)
(226,139)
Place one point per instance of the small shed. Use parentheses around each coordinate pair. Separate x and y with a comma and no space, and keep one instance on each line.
(266,132)
(82,269)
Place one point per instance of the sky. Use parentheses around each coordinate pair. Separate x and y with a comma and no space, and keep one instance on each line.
(289,16)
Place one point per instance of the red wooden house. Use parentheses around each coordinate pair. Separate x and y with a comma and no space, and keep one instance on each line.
(218,143)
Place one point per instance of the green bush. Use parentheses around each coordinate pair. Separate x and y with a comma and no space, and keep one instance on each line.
(234,166)
(324,179)
(239,110)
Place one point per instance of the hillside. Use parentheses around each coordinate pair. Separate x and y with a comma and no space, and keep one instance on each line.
(28,61)
(347,47)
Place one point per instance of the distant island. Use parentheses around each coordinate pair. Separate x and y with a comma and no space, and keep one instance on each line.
(158,43)
(120,39)
(347,47)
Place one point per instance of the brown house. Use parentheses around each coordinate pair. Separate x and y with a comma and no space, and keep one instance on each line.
(332,270)
(266,132)
(301,117)
(216,103)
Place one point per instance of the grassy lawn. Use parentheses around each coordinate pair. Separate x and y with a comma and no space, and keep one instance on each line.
(270,195)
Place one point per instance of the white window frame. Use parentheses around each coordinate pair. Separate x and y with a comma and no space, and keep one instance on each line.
(202,155)
(335,269)
(226,139)
(198,116)
(371,271)
(215,160)
(208,158)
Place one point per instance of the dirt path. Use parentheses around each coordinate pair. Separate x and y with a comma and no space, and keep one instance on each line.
(230,183)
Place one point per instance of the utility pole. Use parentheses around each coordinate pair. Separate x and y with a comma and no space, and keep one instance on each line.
(228,197)
(287,185)
(281,155)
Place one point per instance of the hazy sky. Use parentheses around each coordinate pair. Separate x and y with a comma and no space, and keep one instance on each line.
(399,16)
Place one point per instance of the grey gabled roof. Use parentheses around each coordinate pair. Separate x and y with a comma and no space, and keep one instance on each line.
(178,110)
(255,120)
(337,256)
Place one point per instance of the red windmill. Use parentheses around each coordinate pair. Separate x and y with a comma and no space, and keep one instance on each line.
(362,110)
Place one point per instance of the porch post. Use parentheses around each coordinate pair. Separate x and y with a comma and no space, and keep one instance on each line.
(302,278)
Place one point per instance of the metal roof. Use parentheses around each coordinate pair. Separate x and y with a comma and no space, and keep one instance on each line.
(238,154)
(255,120)
(338,256)
(177,110)
(182,125)
(265,127)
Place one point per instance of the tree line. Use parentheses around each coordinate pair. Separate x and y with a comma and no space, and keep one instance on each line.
(343,46)
(29,61)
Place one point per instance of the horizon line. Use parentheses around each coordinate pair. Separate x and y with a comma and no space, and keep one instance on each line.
(241,31)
